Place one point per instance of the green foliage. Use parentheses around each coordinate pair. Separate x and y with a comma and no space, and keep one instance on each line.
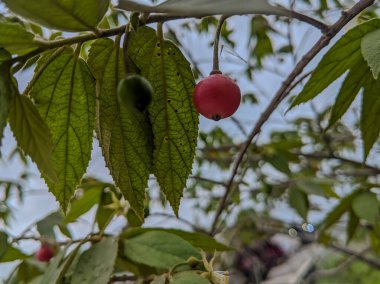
(199,240)
(125,135)
(345,55)
(32,134)
(370,50)
(15,39)
(173,117)
(188,278)
(63,15)
(96,264)
(63,90)
(158,249)
(366,206)
(6,90)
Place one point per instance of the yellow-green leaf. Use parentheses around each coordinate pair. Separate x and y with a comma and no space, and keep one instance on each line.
(371,51)
(32,134)
(124,135)
(67,15)
(64,93)
(172,114)
(15,39)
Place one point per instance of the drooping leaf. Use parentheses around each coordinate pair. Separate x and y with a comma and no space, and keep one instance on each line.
(201,8)
(299,201)
(366,206)
(15,39)
(371,51)
(342,56)
(6,90)
(188,277)
(32,134)
(158,249)
(64,93)
(67,15)
(351,86)
(124,134)
(96,264)
(370,119)
(172,114)
(199,240)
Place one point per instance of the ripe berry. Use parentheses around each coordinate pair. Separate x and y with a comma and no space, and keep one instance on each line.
(135,91)
(216,97)
(45,253)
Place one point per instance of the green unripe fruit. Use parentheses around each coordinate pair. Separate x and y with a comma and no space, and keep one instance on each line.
(135,92)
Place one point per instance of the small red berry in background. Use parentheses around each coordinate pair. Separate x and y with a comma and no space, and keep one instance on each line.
(45,253)
(217,96)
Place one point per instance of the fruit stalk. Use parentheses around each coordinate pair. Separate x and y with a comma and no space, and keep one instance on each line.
(215,67)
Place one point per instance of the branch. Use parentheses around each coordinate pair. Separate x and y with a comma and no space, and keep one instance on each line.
(283,92)
(370,261)
(340,268)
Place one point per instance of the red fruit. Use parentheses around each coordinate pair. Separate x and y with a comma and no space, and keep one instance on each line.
(216,97)
(45,253)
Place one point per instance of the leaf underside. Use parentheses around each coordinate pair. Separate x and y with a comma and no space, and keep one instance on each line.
(172,115)
(64,94)
(124,135)
(67,15)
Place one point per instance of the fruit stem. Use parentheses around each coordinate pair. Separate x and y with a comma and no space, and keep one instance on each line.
(215,67)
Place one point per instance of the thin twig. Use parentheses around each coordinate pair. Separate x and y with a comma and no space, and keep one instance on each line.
(283,92)
(370,261)
(340,268)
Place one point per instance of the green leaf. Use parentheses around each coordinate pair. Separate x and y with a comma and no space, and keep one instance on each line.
(6,90)
(32,134)
(12,254)
(310,186)
(201,8)
(96,264)
(46,226)
(124,135)
(352,225)
(341,57)
(67,15)
(159,280)
(299,201)
(199,240)
(366,206)
(159,249)
(83,204)
(172,114)
(370,119)
(15,39)
(371,51)
(351,86)
(337,212)
(64,93)
(188,277)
